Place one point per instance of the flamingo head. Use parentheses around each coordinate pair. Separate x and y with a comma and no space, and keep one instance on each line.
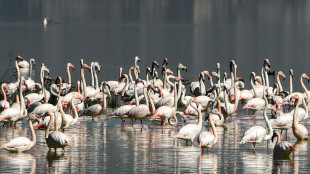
(71,65)
(18,57)
(169,71)
(232,97)
(282,74)
(306,77)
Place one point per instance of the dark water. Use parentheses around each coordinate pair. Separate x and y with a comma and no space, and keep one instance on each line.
(196,33)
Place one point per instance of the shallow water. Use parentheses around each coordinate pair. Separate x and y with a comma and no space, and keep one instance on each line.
(197,33)
(104,146)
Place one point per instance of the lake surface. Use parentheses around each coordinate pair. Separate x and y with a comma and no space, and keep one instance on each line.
(196,33)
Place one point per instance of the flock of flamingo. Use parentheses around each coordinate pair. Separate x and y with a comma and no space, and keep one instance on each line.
(55,105)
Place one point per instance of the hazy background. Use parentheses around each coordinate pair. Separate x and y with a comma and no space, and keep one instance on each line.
(197,33)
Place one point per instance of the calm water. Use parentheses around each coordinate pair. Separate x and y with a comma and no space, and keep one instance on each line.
(197,33)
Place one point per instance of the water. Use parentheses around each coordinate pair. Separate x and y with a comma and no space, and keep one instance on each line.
(196,33)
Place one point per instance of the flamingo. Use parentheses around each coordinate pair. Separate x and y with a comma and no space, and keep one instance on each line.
(119,112)
(34,97)
(198,88)
(4,104)
(168,112)
(207,139)
(257,134)
(67,86)
(96,109)
(67,119)
(40,110)
(68,97)
(299,130)
(12,87)
(11,115)
(141,111)
(21,144)
(55,139)
(164,72)
(190,131)
(282,148)
(26,71)
(93,90)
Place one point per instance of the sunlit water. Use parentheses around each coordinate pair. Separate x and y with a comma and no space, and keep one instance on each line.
(196,33)
(104,146)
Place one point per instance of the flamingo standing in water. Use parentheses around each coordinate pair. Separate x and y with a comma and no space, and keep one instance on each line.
(141,111)
(282,148)
(299,130)
(207,139)
(55,139)
(168,112)
(257,134)
(21,144)
(190,131)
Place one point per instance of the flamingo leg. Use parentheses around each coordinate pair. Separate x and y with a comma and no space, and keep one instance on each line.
(237,112)
(253,116)
(163,124)
(141,124)
(132,123)
(192,143)
(254,144)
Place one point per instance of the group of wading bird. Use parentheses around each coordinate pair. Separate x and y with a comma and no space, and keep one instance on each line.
(55,105)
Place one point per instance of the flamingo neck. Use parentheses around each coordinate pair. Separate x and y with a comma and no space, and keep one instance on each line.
(130,76)
(18,72)
(76,116)
(270,130)
(136,95)
(213,126)
(2,91)
(202,87)
(304,88)
(152,106)
(69,76)
(47,131)
(291,83)
(278,137)
(295,117)
(279,82)
(252,78)
(92,73)
(126,86)
(33,136)
(84,84)
(175,106)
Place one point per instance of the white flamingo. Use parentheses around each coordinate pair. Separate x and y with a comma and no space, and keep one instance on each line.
(257,134)
(299,130)
(21,144)
(190,131)
(168,112)
(207,139)
(4,104)
(11,115)
(34,97)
